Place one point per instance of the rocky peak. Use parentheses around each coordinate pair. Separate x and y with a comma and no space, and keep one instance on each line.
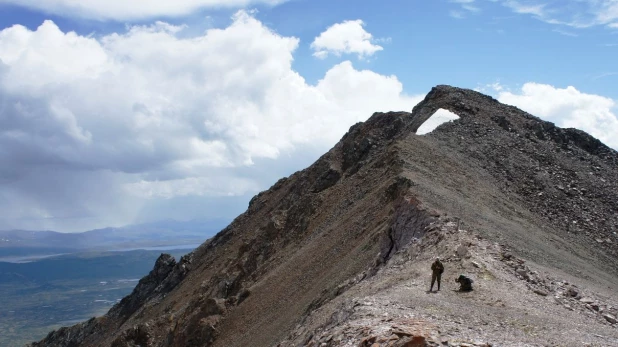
(465,103)
(566,176)
(476,109)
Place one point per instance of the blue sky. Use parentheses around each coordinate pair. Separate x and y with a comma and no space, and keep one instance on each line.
(118,112)
(430,41)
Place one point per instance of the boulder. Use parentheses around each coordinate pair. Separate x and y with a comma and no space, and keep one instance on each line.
(462,251)
(610,318)
(414,341)
(541,292)
(572,292)
(586,300)
(214,307)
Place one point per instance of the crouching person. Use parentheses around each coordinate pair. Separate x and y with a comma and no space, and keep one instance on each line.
(465,283)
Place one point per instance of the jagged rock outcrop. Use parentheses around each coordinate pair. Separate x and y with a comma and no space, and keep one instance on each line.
(165,275)
(379,205)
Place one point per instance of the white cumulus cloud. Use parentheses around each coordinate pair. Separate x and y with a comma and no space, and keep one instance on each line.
(348,37)
(568,107)
(132,9)
(93,130)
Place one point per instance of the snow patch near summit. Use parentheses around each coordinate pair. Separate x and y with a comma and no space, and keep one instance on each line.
(440,117)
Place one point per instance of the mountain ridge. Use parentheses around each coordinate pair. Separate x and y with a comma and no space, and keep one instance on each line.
(376,197)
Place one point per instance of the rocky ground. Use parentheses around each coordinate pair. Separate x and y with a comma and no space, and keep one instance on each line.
(514,302)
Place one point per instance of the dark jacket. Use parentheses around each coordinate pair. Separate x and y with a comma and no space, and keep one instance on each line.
(437,267)
(465,283)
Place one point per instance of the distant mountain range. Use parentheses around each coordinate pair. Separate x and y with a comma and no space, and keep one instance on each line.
(162,233)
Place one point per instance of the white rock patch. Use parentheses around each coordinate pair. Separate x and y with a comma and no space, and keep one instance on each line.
(439,117)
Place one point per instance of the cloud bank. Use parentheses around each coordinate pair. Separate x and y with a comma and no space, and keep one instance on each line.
(93,130)
(149,123)
(122,10)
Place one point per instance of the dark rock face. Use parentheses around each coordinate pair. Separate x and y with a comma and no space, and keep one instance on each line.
(140,335)
(327,180)
(165,275)
(314,235)
(408,223)
(362,138)
(71,336)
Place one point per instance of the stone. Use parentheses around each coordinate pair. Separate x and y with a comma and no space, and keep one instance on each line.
(572,292)
(462,251)
(523,273)
(368,341)
(586,300)
(415,341)
(214,307)
(327,180)
(393,337)
(242,295)
(402,332)
(610,318)
(541,292)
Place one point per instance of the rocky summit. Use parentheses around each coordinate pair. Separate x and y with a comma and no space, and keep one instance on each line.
(339,254)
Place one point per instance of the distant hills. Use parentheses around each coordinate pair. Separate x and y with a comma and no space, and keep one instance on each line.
(162,233)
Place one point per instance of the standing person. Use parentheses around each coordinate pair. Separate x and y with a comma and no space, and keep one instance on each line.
(436,273)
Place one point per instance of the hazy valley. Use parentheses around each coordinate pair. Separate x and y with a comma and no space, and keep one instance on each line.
(49,280)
